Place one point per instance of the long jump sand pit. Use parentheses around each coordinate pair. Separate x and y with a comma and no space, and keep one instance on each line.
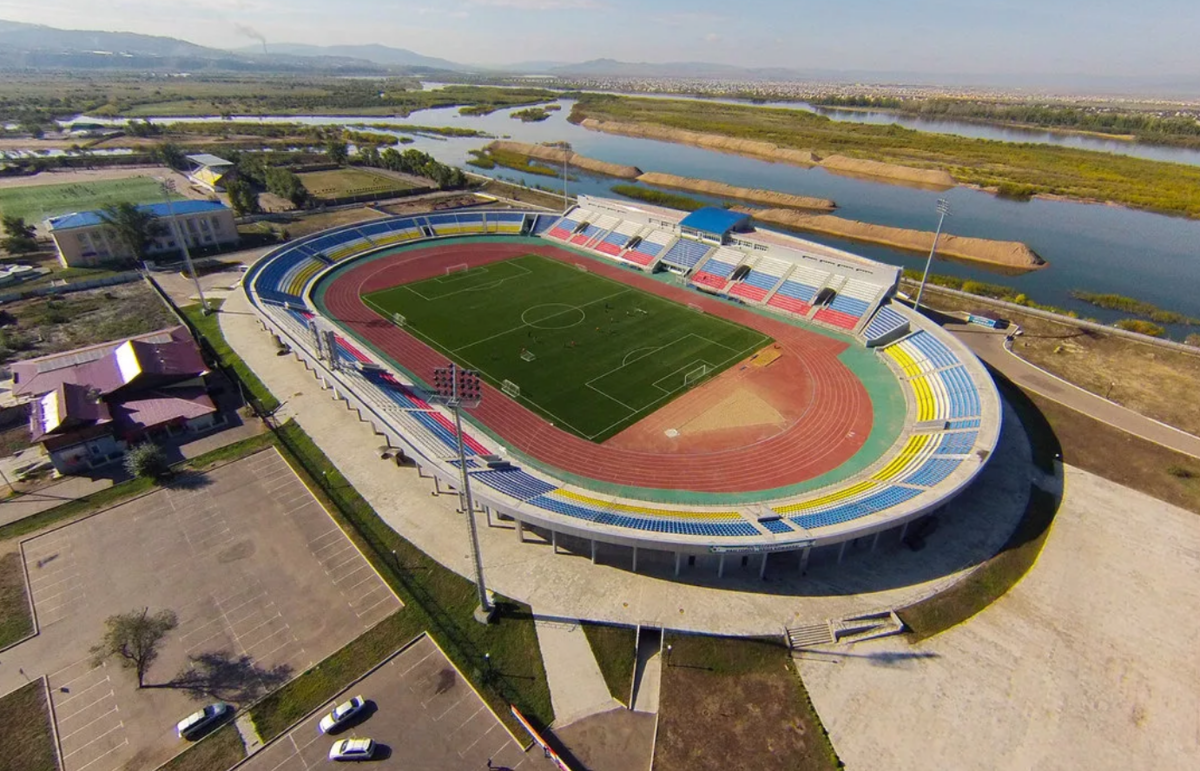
(754,400)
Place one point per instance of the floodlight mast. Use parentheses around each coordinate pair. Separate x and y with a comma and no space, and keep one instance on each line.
(457,387)
(943,208)
(168,187)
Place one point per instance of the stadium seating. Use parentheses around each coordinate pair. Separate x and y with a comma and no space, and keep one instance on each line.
(595,230)
(761,279)
(563,229)
(956,443)
(544,222)
(885,324)
(849,305)
(916,451)
(715,271)
(685,254)
(729,524)
(649,248)
(512,482)
(932,472)
(871,504)
(796,293)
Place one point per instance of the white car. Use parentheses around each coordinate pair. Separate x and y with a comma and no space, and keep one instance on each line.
(341,713)
(352,749)
(201,719)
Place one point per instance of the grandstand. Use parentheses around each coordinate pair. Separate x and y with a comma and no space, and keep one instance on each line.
(953,411)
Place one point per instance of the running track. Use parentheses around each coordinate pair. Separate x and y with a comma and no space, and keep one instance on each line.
(833,426)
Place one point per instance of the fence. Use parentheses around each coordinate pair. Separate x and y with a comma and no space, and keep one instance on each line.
(75,286)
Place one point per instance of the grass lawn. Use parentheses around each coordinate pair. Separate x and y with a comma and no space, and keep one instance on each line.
(15,621)
(25,732)
(37,202)
(215,752)
(276,712)
(732,704)
(209,329)
(342,183)
(615,649)
(596,359)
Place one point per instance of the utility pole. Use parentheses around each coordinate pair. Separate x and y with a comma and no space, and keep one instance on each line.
(458,388)
(168,187)
(943,208)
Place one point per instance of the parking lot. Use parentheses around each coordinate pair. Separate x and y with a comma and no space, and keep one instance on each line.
(422,714)
(262,580)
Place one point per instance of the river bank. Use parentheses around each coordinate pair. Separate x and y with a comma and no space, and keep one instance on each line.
(1009,254)
(558,155)
(805,138)
(722,190)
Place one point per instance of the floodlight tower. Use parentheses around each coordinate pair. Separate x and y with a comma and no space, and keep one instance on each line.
(943,208)
(567,152)
(168,187)
(458,388)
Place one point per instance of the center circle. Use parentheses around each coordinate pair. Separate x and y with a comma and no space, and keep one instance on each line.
(553,316)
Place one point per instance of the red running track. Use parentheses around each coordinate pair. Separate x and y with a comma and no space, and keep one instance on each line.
(834,425)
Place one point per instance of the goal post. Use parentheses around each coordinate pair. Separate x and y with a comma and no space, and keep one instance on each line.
(399,320)
(460,268)
(694,374)
(694,307)
(528,355)
(579,266)
(510,389)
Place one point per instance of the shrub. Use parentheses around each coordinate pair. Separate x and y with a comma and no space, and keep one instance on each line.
(1140,326)
(1193,339)
(1180,472)
(147,461)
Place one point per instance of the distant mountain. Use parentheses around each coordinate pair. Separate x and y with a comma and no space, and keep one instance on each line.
(36,46)
(615,69)
(379,54)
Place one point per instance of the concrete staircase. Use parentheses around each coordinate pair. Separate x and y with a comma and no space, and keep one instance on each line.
(851,629)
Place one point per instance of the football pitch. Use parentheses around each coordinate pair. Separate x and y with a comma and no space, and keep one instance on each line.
(35,202)
(590,354)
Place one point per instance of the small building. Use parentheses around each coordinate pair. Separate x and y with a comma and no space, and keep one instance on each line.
(210,172)
(85,240)
(712,225)
(90,405)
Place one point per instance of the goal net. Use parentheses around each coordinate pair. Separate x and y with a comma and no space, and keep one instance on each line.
(694,307)
(694,374)
(457,269)
(528,355)
(581,267)
(399,320)
(510,388)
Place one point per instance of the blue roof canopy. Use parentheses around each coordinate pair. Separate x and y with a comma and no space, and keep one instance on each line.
(713,220)
(85,219)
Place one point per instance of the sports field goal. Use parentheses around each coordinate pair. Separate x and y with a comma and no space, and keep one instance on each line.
(399,320)
(694,374)
(694,307)
(462,268)
(510,388)
(528,355)
(579,266)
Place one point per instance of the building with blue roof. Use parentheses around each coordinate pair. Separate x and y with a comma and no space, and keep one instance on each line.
(713,225)
(84,240)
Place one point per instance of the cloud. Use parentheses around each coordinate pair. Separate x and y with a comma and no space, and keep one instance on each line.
(540,5)
(712,37)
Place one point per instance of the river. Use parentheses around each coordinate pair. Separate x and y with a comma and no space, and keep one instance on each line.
(1096,248)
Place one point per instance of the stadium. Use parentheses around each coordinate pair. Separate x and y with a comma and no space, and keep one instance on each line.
(680,386)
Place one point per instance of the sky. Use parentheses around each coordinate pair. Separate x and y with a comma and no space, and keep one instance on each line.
(1110,38)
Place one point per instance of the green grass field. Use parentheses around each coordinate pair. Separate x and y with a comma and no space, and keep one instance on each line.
(591,354)
(37,202)
(340,183)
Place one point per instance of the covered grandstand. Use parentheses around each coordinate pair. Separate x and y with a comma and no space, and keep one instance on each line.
(952,409)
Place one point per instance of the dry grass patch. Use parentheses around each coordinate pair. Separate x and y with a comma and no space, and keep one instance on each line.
(15,620)
(730,704)
(25,733)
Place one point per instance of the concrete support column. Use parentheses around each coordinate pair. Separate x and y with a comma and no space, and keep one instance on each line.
(721,566)
(437,485)
(904,530)
(520,531)
(593,551)
(842,551)
(554,540)
(678,556)
(804,558)
(875,541)
(634,559)
(762,569)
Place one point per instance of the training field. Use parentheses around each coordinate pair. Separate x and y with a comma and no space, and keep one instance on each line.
(591,354)
(37,202)
(341,183)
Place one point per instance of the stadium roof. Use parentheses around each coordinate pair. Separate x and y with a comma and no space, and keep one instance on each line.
(86,219)
(208,159)
(711,219)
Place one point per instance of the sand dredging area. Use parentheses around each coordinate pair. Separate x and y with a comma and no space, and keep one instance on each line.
(1010,254)
(722,190)
(558,155)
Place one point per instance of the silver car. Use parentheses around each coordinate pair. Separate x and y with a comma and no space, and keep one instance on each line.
(341,714)
(352,749)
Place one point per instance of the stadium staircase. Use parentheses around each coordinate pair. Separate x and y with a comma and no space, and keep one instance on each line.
(849,629)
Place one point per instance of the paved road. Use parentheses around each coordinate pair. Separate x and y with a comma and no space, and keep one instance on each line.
(989,346)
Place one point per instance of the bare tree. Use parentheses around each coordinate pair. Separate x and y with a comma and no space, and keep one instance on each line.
(134,639)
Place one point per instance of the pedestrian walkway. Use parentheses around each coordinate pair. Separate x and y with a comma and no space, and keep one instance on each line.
(577,688)
(28,504)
